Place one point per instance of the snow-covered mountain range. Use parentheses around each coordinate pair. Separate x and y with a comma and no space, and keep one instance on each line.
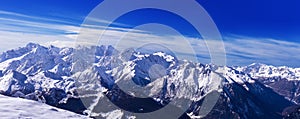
(100,81)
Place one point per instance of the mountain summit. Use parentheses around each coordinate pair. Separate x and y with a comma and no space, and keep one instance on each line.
(101,81)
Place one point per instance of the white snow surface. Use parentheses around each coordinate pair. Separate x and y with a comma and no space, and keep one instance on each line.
(257,70)
(18,108)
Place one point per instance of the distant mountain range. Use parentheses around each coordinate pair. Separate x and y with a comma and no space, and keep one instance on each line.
(100,81)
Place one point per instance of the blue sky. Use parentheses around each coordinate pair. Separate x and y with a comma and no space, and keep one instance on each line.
(265,31)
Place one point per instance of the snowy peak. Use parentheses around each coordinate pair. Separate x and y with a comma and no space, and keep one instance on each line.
(13,81)
(149,67)
(233,75)
(32,45)
(257,70)
(56,75)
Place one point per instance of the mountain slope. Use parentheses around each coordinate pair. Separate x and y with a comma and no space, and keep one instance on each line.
(13,108)
(99,80)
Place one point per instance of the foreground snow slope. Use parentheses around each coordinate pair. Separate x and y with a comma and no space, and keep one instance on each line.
(18,108)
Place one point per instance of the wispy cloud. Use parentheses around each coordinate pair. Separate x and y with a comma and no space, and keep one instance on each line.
(240,50)
(9,14)
(245,50)
(18,29)
(97,21)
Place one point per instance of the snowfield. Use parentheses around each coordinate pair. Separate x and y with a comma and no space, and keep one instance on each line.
(18,108)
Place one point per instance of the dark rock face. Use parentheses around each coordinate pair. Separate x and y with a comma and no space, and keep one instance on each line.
(74,105)
(293,115)
(54,95)
(237,102)
(284,87)
(143,66)
(1,74)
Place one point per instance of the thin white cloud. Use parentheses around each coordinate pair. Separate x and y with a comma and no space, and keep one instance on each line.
(14,14)
(101,21)
(12,40)
(240,50)
(263,50)
(8,24)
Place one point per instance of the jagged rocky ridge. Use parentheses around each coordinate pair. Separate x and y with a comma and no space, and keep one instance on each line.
(86,79)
